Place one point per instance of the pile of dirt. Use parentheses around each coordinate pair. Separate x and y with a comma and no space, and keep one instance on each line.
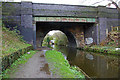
(114,35)
(113,39)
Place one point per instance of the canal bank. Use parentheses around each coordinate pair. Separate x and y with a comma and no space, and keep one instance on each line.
(94,65)
(101,49)
(60,66)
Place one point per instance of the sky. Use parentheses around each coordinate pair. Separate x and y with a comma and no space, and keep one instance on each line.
(53,31)
(72,2)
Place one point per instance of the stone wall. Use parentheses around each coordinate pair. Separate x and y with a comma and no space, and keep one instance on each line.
(8,60)
(78,32)
(90,31)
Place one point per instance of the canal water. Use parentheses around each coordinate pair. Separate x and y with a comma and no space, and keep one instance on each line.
(93,64)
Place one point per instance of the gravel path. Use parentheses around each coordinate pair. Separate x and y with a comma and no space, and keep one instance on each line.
(36,67)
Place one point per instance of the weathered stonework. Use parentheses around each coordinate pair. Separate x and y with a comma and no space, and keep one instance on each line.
(22,14)
(79,35)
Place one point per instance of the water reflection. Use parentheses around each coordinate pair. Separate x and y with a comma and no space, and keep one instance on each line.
(95,65)
(89,56)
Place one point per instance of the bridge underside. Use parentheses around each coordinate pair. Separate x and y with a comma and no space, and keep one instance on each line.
(75,32)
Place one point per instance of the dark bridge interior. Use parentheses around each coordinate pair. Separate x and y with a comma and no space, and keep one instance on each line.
(42,28)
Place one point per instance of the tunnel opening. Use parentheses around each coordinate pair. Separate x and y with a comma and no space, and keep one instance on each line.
(55,37)
(76,32)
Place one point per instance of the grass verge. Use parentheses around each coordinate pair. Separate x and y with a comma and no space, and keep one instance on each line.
(11,41)
(101,49)
(59,66)
(22,60)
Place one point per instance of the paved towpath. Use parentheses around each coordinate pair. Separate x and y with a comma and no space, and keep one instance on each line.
(36,67)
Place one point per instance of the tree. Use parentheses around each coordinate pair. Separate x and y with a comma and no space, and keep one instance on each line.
(109,4)
(60,38)
(47,39)
(115,4)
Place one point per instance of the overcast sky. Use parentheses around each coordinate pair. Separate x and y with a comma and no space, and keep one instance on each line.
(71,2)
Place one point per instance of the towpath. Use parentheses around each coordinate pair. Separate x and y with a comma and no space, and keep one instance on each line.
(36,67)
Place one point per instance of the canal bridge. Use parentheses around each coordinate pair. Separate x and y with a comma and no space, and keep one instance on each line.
(35,20)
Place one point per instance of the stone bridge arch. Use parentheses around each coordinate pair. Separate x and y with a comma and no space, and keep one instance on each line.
(74,28)
(41,33)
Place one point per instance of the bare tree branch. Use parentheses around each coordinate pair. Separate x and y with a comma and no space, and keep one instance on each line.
(97,2)
(112,2)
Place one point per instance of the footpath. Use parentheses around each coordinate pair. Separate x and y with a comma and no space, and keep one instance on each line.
(36,67)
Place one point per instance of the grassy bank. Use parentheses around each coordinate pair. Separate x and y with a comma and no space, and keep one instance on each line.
(22,60)
(59,66)
(11,42)
(101,49)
